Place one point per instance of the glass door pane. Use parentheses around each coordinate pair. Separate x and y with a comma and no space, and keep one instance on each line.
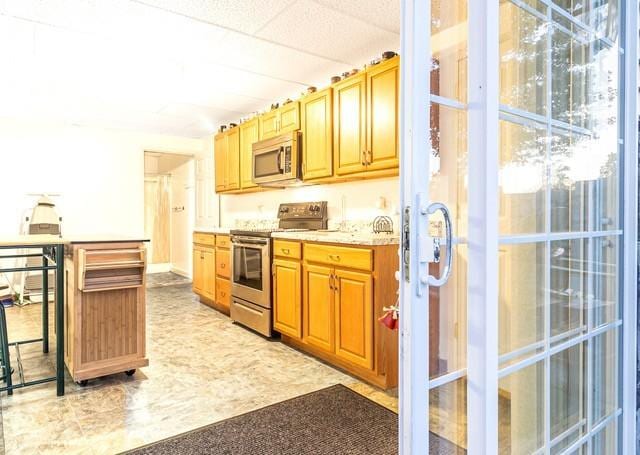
(559,199)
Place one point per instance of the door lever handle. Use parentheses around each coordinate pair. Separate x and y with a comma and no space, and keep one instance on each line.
(446,273)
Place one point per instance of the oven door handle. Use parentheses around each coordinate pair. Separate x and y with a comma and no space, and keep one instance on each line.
(250,243)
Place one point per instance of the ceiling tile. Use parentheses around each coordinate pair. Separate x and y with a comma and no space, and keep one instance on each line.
(247,16)
(382,13)
(325,32)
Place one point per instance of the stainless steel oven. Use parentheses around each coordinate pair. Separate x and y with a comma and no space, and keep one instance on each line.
(251,282)
(276,161)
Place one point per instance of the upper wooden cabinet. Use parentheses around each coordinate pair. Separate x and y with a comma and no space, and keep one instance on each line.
(280,121)
(350,124)
(316,119)
(248,135)
(226,151)
(382,115)
(220,160)
(365,120)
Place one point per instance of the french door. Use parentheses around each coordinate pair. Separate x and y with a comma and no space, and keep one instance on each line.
(518,256)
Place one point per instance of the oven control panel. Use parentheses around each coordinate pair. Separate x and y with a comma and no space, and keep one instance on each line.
(309,215)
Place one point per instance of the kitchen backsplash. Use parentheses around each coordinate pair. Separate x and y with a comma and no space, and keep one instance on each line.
(352,206)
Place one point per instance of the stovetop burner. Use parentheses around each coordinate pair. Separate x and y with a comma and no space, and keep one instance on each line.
(293,217)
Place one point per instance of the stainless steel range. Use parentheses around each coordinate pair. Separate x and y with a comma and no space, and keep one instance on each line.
(251,300)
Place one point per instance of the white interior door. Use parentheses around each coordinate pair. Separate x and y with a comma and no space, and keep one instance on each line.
(514,117)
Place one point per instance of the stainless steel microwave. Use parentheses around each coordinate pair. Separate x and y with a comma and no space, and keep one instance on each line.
(276,161)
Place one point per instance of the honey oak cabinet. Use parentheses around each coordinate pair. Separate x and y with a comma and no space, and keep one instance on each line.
(365,122)
(316,120)
(248,135)
(279,121)
(354,316)
(204,265)
(220,161)
(287,297)
(350,124)
(344,290)
(318,309)
(382,115)
(227,160)
(223,273)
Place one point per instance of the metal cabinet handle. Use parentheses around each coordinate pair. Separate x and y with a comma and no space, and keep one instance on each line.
(363,160)
(335,257)
(369,158)
(433,208)
(223,265)
(285,251)
(331,282)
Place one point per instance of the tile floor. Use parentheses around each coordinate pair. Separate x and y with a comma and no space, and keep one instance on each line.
(203,369)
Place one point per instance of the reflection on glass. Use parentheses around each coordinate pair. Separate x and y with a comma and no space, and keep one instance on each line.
(605,269)
(584,184)
(522,179)
(447,417)
(568,293)
(449,48)
(521,411)
(602,15)
(568,401)
(447,304)
(604,369)
(523,66)
(606,441)
(521,295)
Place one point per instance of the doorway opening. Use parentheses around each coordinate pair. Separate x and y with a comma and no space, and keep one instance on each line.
(169,211)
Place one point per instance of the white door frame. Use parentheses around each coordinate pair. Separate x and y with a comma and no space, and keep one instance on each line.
(414,171)
(483,115)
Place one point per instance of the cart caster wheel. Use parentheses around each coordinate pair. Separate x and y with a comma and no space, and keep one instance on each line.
(83,383)
(130,372)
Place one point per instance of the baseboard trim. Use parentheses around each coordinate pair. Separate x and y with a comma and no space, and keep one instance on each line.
(181,272)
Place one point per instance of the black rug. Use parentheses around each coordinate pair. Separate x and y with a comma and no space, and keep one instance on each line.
(331,421)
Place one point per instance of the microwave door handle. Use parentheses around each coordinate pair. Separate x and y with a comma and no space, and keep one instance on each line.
(280,161)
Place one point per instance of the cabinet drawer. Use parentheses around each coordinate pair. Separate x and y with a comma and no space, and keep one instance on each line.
(354,258)
(204,238)
(223,292)
(222,263)
(287,249)
(222,241)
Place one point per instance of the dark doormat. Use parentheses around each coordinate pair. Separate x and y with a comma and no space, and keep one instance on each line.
(331,421)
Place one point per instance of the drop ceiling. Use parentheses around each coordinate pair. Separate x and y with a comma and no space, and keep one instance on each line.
(178,67)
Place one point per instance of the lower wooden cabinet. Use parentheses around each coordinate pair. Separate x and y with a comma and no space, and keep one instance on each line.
(204,266)
(287,297)
(223,293)
(223,273)
(318,307)
(344,290)
(354,316)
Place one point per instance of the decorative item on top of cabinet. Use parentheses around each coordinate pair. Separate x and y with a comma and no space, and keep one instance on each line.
(279,121)
(249,133)
(317,134)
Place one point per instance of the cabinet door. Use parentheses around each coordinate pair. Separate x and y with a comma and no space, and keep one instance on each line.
(222,265)
(197,271)
(268,124)
(354,317)
(317,135)
(349,135)
(248,135)
(220,160)
(208,273)
(223,292)
(318,307)
(289,117)
(287,297)
(382,116)
(233,159)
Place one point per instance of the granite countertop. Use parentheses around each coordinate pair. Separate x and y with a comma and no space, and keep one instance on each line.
(213,230)
(350,238)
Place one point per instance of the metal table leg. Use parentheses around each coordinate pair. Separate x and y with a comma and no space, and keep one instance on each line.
(45,303)
(60,319)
